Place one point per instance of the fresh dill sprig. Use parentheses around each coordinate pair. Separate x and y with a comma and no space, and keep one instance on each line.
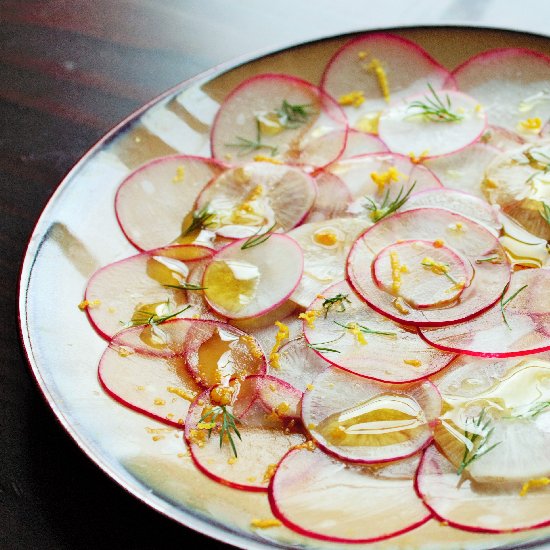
(227,425)
(441,270)
(504,303)
(491,259)
(317,346)
(250,145)
(366,330)
(386,208)
(538,408)
(152,318)
(479,441)
(292,116)
(545,212)
(435,109)
(200,218)
(258,238)
(541,164)
(339,300)
(186,286)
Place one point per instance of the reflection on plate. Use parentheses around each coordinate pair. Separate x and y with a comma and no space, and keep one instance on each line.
(78,233)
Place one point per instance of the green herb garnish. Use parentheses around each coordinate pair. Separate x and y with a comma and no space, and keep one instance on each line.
(201,218)
(317,345)
(152,318)
(366,330)
(435,109)
(186,286)
(227,425)
(492,259)
(386,208)
(545,212)
(258,238)
(441,270)
(292,116)
(504,303)
(339,300)
(249,145)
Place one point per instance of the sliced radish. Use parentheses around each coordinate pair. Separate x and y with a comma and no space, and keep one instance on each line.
(379,68)
(464,170)
(135,289)
(333,198)
(467,238)
(370,421)
(267,335)
(152,201)
(245,282)
(148,377)
(196,299)
(325,246)
(254,197)
(502,139)
(321,497)
(406,128)
(267,431)
(521,330)
(457,201)
(360,143)
(356,338)
(279,116)
(512,85)
(491,508)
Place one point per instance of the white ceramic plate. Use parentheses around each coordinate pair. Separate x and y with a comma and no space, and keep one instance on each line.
(78,233)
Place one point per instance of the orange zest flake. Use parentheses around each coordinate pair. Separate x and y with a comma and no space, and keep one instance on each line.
(385,178)
(309,317)
(282,334)
(369,123)
(124,351)
(85,304)
(157,437)
(310,387)
(308,445)
(198,437)
(159,430)
(252,346)
(376,67)
(180,392)
(180,175)
(265,523)
(435,267)
(400,305)
(420,158)
(362,54)
(263,158)
(269,472)
(221,395)
(325,237)
(439,243)
(356,331)
(397,268)
(282,408)
(158,401)
(530,125)
(413,362)
(232,460)
(354,98)
(533,484)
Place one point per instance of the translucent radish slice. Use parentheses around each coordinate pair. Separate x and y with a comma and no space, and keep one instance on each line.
(435,276)
(464,170)
(459,202)
(267,335)
(252,198)
(469,239)
(360,143)
(149,378)
(511,396)
(136,289)
(521,330)
(406,129)
(152,201)
(321,497)
(511,83)
(196,299)
(325,246)
(246,282)
(370,421)
(266,434)
(367,64)
(502,139)
(356,338)
(491,508)
(333,198)
(279,116)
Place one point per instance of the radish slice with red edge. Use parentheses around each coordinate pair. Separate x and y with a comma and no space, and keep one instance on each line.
(278,116)
(242,281)
(380,68)
(465,237)
(137,288)
(489,508)
(148,377)
(410,128)
(370,421)
(519,327)
(503,139)
(360,143)
(252,198)
(266,433)
(333,198)
(321,497)
(152,201)
(512,84)
(354,337)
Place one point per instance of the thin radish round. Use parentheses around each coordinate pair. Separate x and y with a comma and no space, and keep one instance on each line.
(512,85)
(350,335)
(517,325)
(333,198)
(502,139)
(254,197)
(371,71)
(151,203)
(442,227)
(261,429)
(321,497)
(479,507)
(360,143)
(432,124)
(370,421)
(242,281)
(278,116)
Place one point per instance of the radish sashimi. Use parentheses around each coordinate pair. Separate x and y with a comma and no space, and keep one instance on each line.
(152,202)
(278,116)
(369,72)
(517,325)
(370,421)
(350,335)
(492,508)
(243,280)
(139,289)
(466,238)
(333,198)
(250,199)
(433,124)
(502,405)
(238,433)
(360,143)
(148,375)
(323,498)
(512,85)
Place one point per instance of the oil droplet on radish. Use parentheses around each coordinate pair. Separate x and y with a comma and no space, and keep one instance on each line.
(216,364)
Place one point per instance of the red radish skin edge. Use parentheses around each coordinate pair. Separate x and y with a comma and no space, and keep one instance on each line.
(312,534)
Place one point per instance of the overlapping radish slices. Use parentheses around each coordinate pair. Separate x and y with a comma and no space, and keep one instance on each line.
(345,318)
